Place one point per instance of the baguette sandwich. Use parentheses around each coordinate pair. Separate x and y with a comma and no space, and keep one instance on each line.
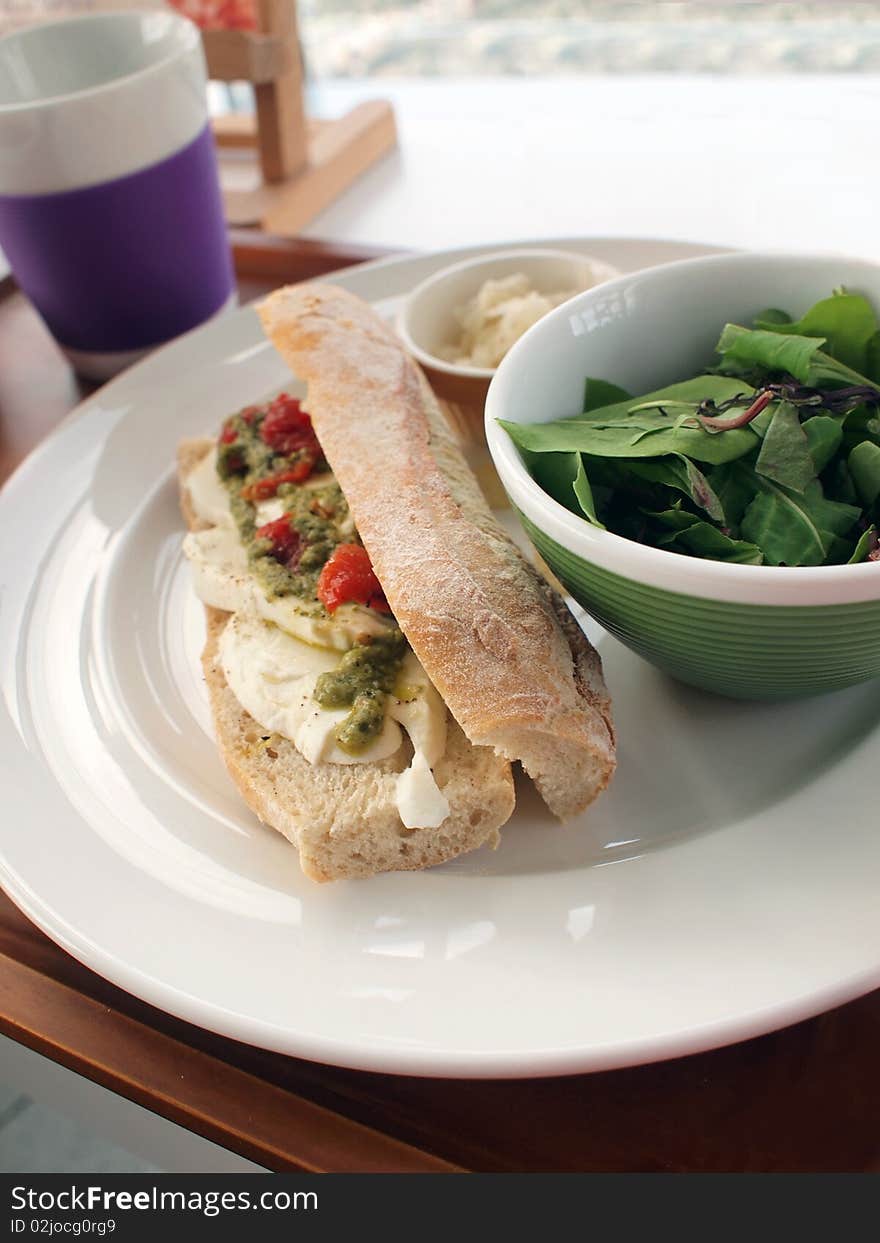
(378,651)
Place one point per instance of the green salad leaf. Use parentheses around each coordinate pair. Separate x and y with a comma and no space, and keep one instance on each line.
(872,358)
(701,539)
(785,352)
(555,472)
(868,544)
(846,322)
(771,457)
(584,494)
(774,351)
(599,393)
(770,317)
(785,453)
(824,435)
(653,430)
(864,467)
(792,529)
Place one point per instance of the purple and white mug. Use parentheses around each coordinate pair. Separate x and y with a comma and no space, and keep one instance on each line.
(110,206)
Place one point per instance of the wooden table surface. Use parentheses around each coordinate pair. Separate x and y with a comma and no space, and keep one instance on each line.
(803,1099)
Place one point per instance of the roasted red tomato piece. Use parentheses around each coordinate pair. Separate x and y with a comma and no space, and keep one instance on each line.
(285,539)
(263,489)
(348,578)
(287,428)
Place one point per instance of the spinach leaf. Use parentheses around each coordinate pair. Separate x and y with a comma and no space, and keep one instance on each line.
(599,393)
(792,529)
(801,357)
(846,322)
(864,467)
(675,519)
(872,358)
(868,544)
(863,423)
(584,494)
(773,350)
(555,473)
(673,397)
(833,516)
(646,432)
(760,424)
(770,317)
(703,540)
(783,530)
(838,481)
(839,550)
(736,486)
(615,441)
(824,435)
(785,454)
(680,474)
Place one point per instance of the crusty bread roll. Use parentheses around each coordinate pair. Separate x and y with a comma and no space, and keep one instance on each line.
(343,818)
(513,666)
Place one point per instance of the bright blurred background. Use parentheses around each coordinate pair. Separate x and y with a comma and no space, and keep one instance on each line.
(436,38)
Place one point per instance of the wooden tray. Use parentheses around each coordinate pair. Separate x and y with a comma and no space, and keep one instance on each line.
(803,1099)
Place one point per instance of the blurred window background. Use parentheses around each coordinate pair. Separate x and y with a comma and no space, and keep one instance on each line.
(369,38)
(546,38)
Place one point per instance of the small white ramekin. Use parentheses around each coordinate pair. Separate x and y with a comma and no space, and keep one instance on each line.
(427,320)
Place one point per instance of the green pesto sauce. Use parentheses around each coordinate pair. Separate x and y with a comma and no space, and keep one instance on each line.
(275,579)
(320,534)
(363,681)
(244,515)
(367,672)
(248,457)
(321,517)
(316,513)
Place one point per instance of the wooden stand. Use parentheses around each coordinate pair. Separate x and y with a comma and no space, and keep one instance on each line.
(278,168)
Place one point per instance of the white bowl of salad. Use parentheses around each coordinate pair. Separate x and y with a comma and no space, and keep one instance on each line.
(695,451)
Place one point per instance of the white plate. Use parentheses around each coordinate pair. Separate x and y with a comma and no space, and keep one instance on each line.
(726,885)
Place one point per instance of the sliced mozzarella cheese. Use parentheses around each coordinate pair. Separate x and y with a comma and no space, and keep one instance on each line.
(219,568)
(420,710)
(220,571)
(316,737)
(273,677)
(422,713)
(221,578)
(268,511)
(312,624)
(420,802)
(209,497)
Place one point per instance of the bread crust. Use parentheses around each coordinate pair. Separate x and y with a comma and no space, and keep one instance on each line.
(515,669)
(343,818)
